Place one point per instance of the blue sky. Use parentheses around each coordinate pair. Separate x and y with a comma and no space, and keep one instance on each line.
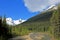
(15,9)
(23,9)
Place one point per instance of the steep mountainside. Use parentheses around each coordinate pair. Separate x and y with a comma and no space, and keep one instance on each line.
(41,17)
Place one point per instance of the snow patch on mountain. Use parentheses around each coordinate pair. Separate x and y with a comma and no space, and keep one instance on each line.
(10,21)
(52,7)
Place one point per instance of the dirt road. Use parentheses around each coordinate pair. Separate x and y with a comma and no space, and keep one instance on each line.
(32,36)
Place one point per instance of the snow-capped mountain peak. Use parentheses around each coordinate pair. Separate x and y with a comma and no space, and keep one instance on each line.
(14,22)
(52,7)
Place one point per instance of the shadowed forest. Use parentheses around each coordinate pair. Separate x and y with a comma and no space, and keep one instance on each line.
(5,32)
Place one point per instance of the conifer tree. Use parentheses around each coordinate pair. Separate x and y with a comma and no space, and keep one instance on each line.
(4,29)
(55,22)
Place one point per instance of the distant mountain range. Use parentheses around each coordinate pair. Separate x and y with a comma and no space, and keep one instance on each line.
(14,22)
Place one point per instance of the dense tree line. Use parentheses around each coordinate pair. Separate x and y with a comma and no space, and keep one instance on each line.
(5,33)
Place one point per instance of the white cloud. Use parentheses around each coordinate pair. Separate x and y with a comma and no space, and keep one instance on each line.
(39,5)
(52,2)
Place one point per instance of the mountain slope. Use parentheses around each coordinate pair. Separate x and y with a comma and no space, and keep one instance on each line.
(41,17)
(40,22)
